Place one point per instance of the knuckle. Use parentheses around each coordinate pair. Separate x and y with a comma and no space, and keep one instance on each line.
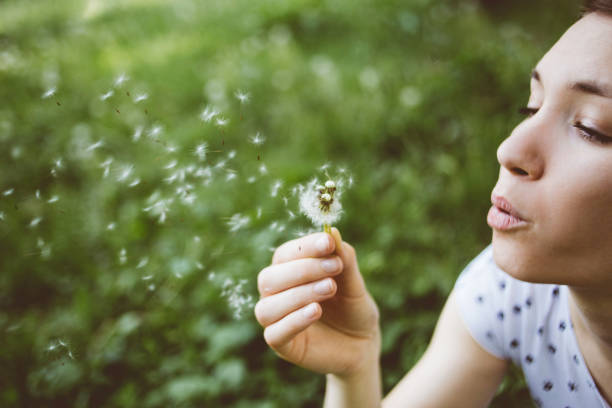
(262,278)
(259,313)
(349,248)
(271,339)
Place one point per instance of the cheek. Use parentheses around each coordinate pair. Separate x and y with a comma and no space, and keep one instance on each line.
(577,214)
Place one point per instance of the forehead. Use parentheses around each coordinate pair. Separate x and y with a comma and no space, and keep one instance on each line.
(585,50)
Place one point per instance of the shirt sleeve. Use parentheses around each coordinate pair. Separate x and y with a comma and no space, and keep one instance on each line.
(480,292)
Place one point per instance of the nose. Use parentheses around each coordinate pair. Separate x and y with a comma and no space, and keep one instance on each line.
(522,153)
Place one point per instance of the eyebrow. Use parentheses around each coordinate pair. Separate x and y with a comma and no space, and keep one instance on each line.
(589,87)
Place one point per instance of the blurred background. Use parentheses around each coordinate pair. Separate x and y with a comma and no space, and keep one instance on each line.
(149,156)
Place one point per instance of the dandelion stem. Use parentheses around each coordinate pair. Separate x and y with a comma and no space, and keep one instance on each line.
(327,228)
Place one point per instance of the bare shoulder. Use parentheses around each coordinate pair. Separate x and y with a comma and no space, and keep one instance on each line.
(454,371)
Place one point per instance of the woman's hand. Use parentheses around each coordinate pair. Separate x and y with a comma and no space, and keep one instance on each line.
(315,308)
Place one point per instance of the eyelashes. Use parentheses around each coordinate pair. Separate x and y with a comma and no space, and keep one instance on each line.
(585,132)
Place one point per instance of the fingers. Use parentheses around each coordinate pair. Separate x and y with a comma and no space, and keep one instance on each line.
(279,277)
(271,309)
(350,282)
(279,334)
(310,246)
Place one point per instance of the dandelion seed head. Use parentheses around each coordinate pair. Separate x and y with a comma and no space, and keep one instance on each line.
(319,207)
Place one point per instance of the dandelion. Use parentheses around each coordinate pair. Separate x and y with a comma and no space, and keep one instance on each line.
(320,203)
(121,79)
(243,97)
(53,199)
(49,92)
(208,114)
(107,95)
(238,221)
(201,150)
(8,192)
(257,139)
(141,97)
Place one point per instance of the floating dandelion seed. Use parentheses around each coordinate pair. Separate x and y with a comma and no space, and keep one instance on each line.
(142,263)
(137,133)
(251,179)
(161,208)
(107,95)
(238,221)
(258,212)
(155,131)
(121,79)
(221,121)
(1,215)
(321,203)
(49,92)
(147,277)
(141,97)
(275,187)
(170,148)
(94,146)
(243,97)
(257,139)
(171,165)
(201,150)
(34,223)
(134,182)
(231,154)
(106,166)
(122,256)
(263,169)
(37,194)
(208,114)
(125,173)
(231,174)
(238,300)
(8,192)
(111,226)
(53,199)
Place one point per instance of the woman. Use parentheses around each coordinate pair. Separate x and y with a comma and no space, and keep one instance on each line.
(540,296)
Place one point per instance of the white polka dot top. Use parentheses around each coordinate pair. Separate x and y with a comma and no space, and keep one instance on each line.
(529,324)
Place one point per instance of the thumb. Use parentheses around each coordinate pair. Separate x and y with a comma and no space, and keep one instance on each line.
(350,282)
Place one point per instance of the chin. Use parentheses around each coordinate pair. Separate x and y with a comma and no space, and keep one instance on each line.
(518,258)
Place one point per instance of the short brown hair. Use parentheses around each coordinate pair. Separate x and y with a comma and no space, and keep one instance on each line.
(593,6)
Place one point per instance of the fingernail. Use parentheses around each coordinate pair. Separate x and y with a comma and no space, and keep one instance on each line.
(310,311)
(330,265)
(322,244)
(323,287)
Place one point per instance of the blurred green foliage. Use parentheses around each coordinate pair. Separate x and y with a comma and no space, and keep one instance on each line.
(124,281)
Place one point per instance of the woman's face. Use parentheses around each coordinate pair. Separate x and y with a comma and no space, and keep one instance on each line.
(556,166)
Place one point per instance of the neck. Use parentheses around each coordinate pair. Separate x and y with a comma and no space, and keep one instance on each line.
(592,314)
